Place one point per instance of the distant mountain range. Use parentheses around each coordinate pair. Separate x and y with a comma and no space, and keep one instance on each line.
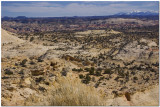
(135,14)
(139,13)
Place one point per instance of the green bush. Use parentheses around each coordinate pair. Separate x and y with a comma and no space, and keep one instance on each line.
(135,78)
(23,63)
(78,70)
(31,39)
(98,73)
(87,69)
(81,76)
(107,71)
(92,68)
(8,72)
(74,69)
(121,73)
(86,79)
(115,93)
(32,63)
(101,78)
(91,72)
(93,79)
(39,59)
(97,84)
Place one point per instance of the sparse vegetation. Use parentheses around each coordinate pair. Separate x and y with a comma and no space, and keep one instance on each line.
(107,71)
(78,70)
(72,92)
(31,39)
(23,63)
(86,79)
(8,72)
(81,76)
(64,61)
(98,73)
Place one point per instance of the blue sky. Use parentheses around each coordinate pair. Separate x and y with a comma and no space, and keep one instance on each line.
(73,8)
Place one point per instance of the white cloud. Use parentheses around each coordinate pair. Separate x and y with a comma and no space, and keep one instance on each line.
(72,9)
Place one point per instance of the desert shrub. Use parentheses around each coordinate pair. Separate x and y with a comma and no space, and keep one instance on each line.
(101,78)
(74,69)
(93,79)
(23,63)
(81,76)
(47,83)
(107,71)
(115,93)
(121,73)
(92,68)
(31,58)
(42,89)
(86,63)
(147,79)
(104,84)
(99,69)
(97,84)
(116,79)
(98,73)
(5,77)
(32,63)
(133,73)
(40,59)
(87,69)
(53,64)
(78,70)
(86,79)
(31,39)
(64,72)
(8,72)
(152,70)
(135,78)
(91,71)
(16,64)
(71,92)
(39,79)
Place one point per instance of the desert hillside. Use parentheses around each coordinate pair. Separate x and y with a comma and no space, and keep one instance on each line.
(80,53)
(9,38)
(35,74)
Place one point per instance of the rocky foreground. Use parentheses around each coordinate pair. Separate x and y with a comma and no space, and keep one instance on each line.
(34,74)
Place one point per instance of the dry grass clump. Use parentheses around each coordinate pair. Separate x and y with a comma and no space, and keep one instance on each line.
(71,92)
